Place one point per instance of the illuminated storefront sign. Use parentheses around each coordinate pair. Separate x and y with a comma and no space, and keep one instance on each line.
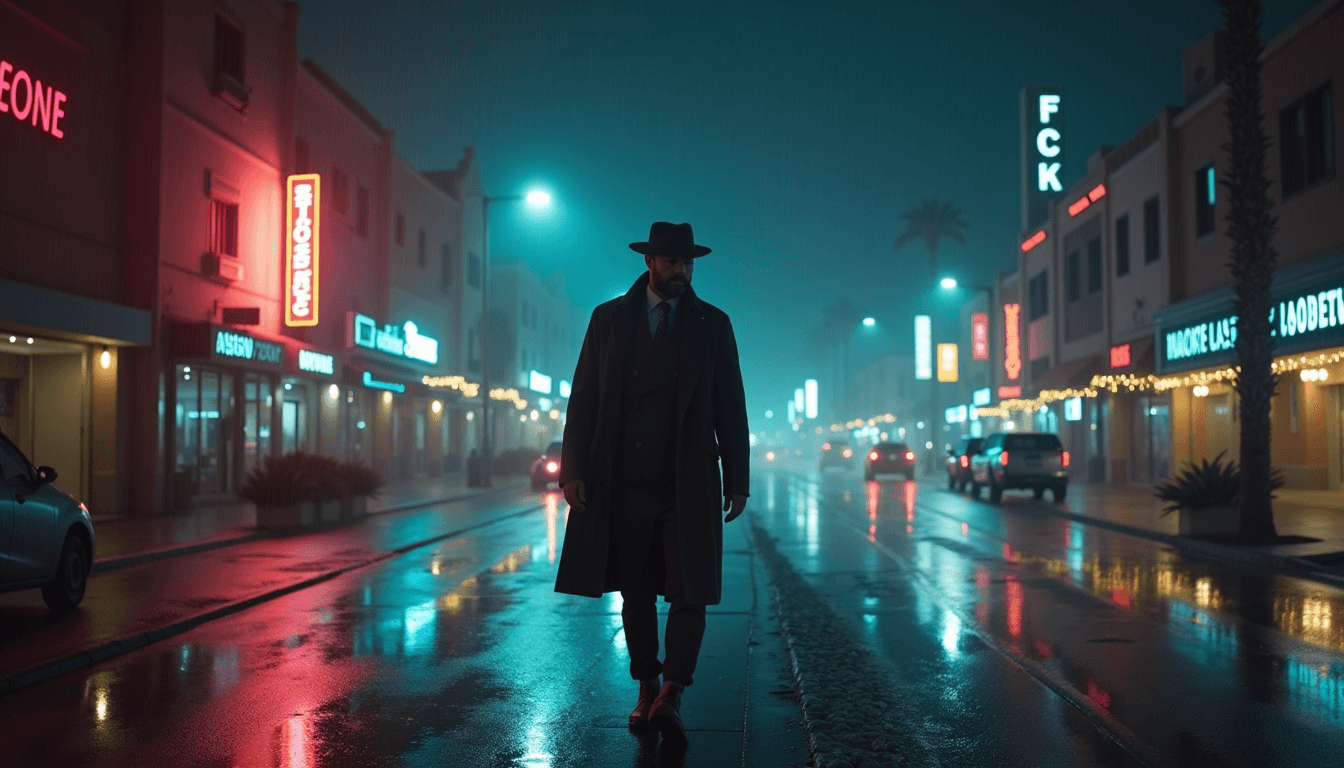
(1009,392)
(24,98)
(564,388)
(923,347)
(302,257)
(539,382)
(403,341)
(388,386)
(980,396)
(947,362)
(979,336)
(1073,409)
(810,398)
(956,414)
(1012,346)
(1042,137)
(1120,356)
(316,362)
(240,346)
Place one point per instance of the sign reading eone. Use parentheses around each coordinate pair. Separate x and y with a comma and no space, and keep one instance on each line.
(923,347)
(302,224)
(24,98)
(979,336)
(1012,346)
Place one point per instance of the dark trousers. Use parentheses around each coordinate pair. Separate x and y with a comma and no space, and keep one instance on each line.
(641,529)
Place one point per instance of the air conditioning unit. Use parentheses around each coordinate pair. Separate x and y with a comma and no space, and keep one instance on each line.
(234,93)
(221,268)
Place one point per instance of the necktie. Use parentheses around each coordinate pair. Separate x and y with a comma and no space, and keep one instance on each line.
(660,334)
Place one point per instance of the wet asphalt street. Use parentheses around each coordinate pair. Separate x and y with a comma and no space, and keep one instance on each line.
(983,635)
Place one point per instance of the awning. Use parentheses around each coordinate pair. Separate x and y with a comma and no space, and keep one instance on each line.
(84,318)
(1074,374)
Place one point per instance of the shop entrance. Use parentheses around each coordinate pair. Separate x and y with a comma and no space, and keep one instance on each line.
(294,418)
(1152,438)
(43,397)
(202,415)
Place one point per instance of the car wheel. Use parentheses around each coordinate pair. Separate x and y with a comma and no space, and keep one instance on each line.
(1038,491)
(995,491)
(1060,491)
(66,588)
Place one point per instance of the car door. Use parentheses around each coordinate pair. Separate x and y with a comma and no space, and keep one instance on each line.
(11,466)
(32,552)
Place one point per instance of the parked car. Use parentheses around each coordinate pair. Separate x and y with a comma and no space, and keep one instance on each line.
(890,458)
(959,462)
(1034,460)
(46,535)
(835,453)
(546,469)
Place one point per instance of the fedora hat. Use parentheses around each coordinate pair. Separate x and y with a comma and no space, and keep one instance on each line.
(671,240)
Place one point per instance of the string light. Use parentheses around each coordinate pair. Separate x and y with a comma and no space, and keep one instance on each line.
(1132,383)
(467,388)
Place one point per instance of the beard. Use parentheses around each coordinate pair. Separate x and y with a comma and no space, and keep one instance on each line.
(672,288)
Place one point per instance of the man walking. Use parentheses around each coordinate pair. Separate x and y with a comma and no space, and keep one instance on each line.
(656,403)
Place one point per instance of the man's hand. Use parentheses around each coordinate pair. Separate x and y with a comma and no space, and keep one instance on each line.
(735,502)
(574,495)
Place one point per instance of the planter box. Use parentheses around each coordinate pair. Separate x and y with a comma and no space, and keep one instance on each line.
(354,507)
(329,511)
(287,515)
(1208,521)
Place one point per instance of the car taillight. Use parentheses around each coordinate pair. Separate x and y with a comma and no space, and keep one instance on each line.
(1064,458)
(874,456)
(552,466)
(847,453)
(965,461)
(1003,459)
(909,455)
(825,446)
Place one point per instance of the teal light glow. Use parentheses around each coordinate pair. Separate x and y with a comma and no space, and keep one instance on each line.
(1213,187)
(390,386)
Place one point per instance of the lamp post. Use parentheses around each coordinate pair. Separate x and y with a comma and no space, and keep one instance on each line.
(537,199)
(950,284)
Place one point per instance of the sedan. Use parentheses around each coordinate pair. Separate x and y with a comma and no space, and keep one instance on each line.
(890,458)
(546,468)
(46,535)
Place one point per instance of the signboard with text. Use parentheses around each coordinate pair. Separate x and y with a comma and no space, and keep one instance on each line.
(947,362)
(1012,341)
(1120,357)
(25,98)
(979,336)
(1042,137)
(923,347)
(302,224)
(400,341)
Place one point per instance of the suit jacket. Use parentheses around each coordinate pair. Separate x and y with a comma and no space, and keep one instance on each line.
(711,429)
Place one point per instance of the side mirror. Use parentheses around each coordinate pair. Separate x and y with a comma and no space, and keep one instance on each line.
(46,475)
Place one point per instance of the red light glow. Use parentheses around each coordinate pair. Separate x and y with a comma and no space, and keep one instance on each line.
(1080,206)
(552,467)
(1012,345)
(1013,590)
(847,453)
(909,455)
(965,461)
(1064,458)
(1003,459)
(1097,193)
(825,446)
(874,455)
(910,491)
(1120,356)
(24,98)
(1033,241)
(302,227)
(1005,392)
(979,336)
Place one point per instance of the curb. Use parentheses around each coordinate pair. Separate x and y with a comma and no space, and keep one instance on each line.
(105,565)
(127,643)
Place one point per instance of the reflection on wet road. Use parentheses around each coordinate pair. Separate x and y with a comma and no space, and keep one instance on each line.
(1182,661)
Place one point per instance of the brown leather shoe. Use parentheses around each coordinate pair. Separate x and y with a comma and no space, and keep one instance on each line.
(666,713)
(648,691)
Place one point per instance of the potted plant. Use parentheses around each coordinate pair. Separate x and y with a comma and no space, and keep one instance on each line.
(1206,497)
(362,481)
(295,490)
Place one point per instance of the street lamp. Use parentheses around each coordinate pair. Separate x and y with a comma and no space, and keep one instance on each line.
(950,283)
(536,199)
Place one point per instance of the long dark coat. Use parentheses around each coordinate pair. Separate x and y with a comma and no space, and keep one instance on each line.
(711,427)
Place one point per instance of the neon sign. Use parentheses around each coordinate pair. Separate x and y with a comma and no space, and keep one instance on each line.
(980,396)
(24,98)
(539,382)
(1007,392)
(979,336)
(388,386)
(316,362)
(1120,356)
(242,347)
(1033,241)
(1047,174)
(923,347)
(1042,153)
(947,362)
(302,224)
(1012,347)
(1086,201)
(405,341)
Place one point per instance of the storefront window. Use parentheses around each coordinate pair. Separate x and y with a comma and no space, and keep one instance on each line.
(354,429)
(204,459)
(257,399)
(294,416)
(1152,438)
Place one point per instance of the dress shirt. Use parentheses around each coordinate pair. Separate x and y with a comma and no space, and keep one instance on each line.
(653,313)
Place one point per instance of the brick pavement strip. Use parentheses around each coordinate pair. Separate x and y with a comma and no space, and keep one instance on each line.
(127,643)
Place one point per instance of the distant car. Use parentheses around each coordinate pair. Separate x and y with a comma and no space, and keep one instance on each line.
(836,453)
(889,458)
(1035,460)
(959,462)
(546,469)
(46,535)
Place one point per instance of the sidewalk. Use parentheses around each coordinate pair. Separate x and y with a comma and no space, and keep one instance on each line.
(128,541)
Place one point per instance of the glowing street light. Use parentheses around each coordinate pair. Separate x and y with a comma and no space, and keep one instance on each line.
(869,322)
(538,198)
(948,282)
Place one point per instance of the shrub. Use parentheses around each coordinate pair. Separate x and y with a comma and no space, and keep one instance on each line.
(362,479)
(294,478)
(1215,483)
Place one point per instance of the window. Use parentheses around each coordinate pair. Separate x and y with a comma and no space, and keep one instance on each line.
(1306,141)
(1093,265)
(1206,201)
(1073,277)
(362,211)
(420,257)
(400,229)
(446,268)
(1152,231)
(223,228)
(340,191)
(300,156)
(473,270)
(1122,246)
(228,49)
(1038,295)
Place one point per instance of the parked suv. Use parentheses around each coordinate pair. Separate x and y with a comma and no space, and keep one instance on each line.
(890,458)
(959,462)
(1034,460)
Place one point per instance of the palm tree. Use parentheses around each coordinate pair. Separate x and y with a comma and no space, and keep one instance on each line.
(932,220)
(1251,227)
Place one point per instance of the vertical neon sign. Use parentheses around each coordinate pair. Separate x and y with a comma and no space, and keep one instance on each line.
(1012,348)
(979,336)
(302,219)
(923,347)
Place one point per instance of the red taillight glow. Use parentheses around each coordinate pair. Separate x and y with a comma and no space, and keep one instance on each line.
(825,446)
(874,456)
(847,453)
(552,467)
(909,455)
(1003,459)
(965,460)
(1064,458)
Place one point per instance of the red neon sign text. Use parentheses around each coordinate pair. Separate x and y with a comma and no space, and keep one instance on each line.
(1033,241)
(1012,347)
(1006,392)
(302,220)
(28,101)
(979,336)
(1087,200)
(1120,356)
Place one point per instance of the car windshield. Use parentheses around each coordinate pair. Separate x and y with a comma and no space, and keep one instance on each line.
(554,449)
(1031,443)
(890,447)
(974,445)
